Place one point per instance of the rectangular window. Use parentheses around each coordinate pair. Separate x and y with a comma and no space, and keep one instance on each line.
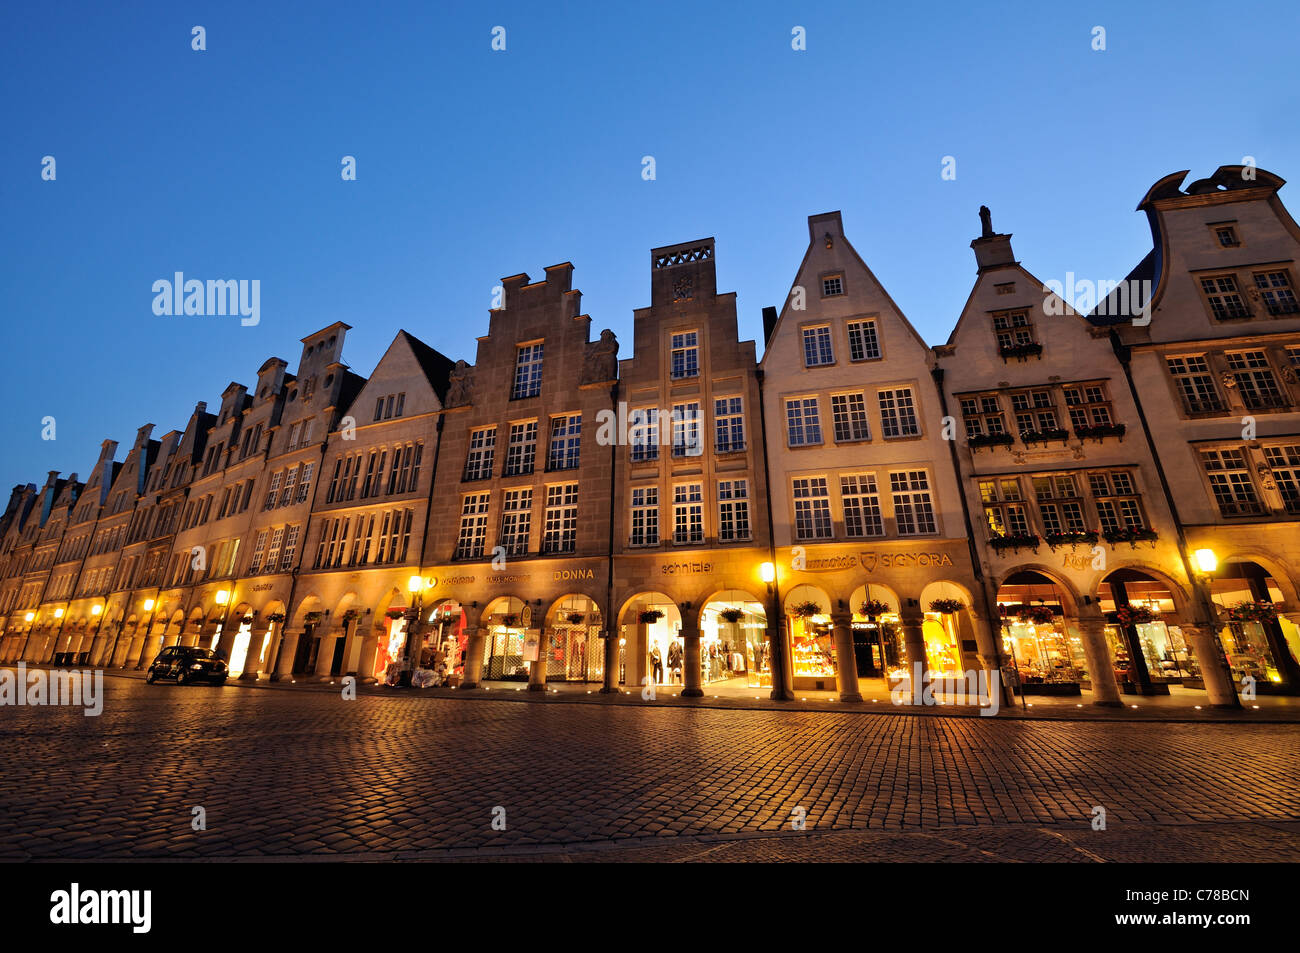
(812,508)
(1256,383)
(1227,236)
(473,526)
(685,357)
(983,415)
(817,347)
(290,484)
(686,430)
(290,544)
(566,435)
(1087,406)
(643,433)
(1035,412)
(528,371)
(516,521)
(1195,384)
(688,513)
(1013,328)
(913,510)
(482,447)
(1231,482)
(1059,504)
(645,516)
(1224,297)
(521,450)
(832,285)
(863,343)
(849,417)
(273,549)
(861,499)
(733,509)
(1003,511)
(803,427)
(560,532)
(898,413)
(1119,507)
(729,424)
(1276,291)
(1284,461)
(272,491)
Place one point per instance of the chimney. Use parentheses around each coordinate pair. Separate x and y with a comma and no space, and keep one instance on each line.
(769,325)
(991,249)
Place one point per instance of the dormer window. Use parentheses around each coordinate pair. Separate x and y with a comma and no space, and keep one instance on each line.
(1227,236)
(1015,334)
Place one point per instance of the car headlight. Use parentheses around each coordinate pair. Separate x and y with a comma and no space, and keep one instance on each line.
(195,667)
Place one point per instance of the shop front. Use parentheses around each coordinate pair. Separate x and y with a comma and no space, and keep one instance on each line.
(1259,642)
(811,639)
(1149,650)
(574,651)
(511,644)
(733,640)
(1043,647)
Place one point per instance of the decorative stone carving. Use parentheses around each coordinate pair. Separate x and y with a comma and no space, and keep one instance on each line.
(461,386)
(684,288)
(1229,380)
(600,363)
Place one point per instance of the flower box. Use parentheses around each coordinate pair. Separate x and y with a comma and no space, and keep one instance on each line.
(1130,536)
(1088,538)
(1099,432)
(1015,541)
(1044,436)
(980,440)
(1021,351)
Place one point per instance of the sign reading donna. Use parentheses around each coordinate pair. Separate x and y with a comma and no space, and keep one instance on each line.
(214,297)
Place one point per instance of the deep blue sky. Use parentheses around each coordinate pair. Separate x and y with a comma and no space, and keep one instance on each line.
(474,165)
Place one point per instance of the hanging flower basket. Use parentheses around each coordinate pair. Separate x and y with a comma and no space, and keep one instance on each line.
(311,617)
(1016,541)
(1038,615)
(349,615)
(510,621)
(275,617)
(1135,615)
(1247,611)
(247,620)
(947,606)
(394,613)
(1086,537)
(575,618)
(650,616)
(805,610)
(874,608)
(731,615)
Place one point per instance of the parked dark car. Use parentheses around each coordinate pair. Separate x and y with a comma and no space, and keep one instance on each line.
(187,663)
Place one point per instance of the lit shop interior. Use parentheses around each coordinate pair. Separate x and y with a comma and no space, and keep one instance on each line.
(574,651)
(1043,648)
(1148,649)
(1258,640)
(438,659)
(733,639)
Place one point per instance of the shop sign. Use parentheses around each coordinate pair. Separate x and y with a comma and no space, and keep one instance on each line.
(532,643)
(870,561)
(515,577)
(686,569)
(831,564)
(563,574)
(526,617)
(261,587)
(456,581)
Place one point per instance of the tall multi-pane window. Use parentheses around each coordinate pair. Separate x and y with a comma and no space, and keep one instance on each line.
(259,548)
(1224,297)
(566,434)
(812,508)
(1004,508)
(729,424)
(560,530)
(983,415)
(521,450)
(290,484)
(817,348)
(643,433)
(909,492)
(803,427)
(645,516)
(861,499)
(898,413)
(304,482)
(733,509)
(1013,328)
(273,548)
(516,520)
(1284,461)
(1195,384)
(1231,482)
(1119,505)
(1256,383)
(849,417)
(272,491)
(688,513)
(1087,406)
(290,544)
(863,343)
(473,526)
(1059,504)
(686,430)
(685,356)
(528,371)
(1035,412)
(1275,289)
(482,447)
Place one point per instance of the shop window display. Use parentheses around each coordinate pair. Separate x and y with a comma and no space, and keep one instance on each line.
(812,647)
(1248,651)
(733,641)
(1045,652)
(1166,651)
(392,638)
(942,646)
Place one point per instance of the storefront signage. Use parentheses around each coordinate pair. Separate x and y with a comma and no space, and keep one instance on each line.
(1076,561)
(515,577)
(261,587)
(686,569)
(831,564)
(562,574)
(900,560)
(457,581)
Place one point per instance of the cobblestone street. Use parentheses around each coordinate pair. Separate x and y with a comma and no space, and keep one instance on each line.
(306,774)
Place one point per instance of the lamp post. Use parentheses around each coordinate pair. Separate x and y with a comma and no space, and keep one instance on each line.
(223,600)
(1201,568)
(98,613)
(775,635)
(58,636)
(415,586)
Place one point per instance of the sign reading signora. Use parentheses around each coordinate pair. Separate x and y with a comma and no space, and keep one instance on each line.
(870,561)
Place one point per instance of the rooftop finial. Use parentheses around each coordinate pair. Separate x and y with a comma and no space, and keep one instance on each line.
(986,222)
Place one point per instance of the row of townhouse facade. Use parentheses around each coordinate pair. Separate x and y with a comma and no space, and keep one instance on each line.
(1103,500)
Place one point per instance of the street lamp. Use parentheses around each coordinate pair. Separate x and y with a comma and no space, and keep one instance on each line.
(1206,560)
(415,586)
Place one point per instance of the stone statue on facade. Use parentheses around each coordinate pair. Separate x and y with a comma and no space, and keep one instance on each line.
(460,385)
(600,364)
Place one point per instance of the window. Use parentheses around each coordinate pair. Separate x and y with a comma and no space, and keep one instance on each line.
(729,424)
(817,347)
(379,409)
(290,544)
(1005,288)
(1035,412)
(1285,463)
(304,481)
(374,474)
(482,446)
(1059,504)
(861,499)
(528,371)
(516,521)
(812,508)
(685,357)
(1276,291)
(832,285)
(1004,509)
(643,434)
(1087,406)
(898,413)
(1013,328)
(1231,482)
(1224,298)
(733,509)
(849,417)
(273,490)
(645,516)
(913,509)
(473,526)
(686,430)
(803,429)
(1195,384)
(982,415)
(1227,236)
(521,449)
(863,343)
(273,550)
(688,513)
(1118,505)
(1255,381)
(560,532)
(566,433)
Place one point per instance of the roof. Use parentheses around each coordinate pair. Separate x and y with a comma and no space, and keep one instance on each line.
(437,367)
(1127,300)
